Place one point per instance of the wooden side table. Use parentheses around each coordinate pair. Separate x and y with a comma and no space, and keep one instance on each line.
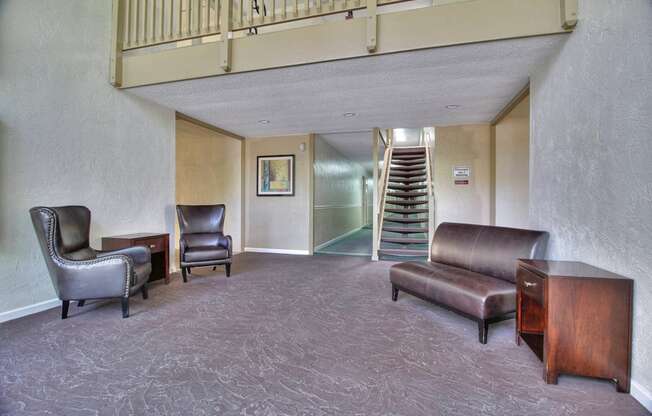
(159,245)
(577,319)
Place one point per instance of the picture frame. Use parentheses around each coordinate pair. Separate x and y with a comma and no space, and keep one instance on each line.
(275,175)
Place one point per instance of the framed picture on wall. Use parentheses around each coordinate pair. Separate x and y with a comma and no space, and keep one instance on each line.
(275,175)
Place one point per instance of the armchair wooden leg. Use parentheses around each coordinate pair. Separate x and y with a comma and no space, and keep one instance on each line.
(214,268)
(228,269)
(125,307)
(394,293)
(143,290)
(183,274)
(483,329)
(189,271)
(64,309)
(81,303)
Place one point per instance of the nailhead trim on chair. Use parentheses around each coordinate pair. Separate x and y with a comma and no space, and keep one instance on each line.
(52,218)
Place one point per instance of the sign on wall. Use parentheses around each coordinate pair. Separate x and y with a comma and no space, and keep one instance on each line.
(461,175)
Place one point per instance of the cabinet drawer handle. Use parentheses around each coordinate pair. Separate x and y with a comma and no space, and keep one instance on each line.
(529,284)
(152,246)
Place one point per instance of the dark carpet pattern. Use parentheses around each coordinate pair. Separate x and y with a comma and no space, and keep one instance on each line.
(285,335)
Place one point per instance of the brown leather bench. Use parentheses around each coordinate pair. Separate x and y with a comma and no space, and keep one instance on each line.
(472,270)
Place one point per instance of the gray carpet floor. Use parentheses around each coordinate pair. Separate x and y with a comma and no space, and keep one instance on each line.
(285,335)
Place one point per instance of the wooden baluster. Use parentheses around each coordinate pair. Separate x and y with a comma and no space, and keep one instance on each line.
(295,9)
(250,7)
(188,18)
(144,22)
(241,5)
(198,16)
(152,21)
(127,24)
(284,14)
(161,21)
(170,20)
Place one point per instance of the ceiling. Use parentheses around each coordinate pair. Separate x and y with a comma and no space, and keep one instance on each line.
(355,146)
(409,89)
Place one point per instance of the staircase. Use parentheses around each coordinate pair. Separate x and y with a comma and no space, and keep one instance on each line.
(406,209)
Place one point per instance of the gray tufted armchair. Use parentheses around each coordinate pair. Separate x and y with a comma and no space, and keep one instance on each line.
(79,272)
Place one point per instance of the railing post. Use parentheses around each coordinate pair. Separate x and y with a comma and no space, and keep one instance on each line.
(372,23)
(226,14)
(568,14)
(117,32)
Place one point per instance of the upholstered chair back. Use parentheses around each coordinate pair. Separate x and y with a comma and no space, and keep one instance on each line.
(487,249)
(201,225)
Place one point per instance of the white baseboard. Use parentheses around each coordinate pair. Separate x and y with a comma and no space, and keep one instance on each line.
(29,310)
(336,239)
(640,393)
(277,251)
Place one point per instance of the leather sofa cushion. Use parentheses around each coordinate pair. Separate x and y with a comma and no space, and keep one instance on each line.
(195,254)
(473,293)
(487,250)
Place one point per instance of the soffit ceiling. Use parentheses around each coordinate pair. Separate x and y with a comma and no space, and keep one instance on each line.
(355,146)
(409,89)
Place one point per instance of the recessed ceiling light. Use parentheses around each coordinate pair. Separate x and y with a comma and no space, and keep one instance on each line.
(453,106)
(348,115)
(263,121)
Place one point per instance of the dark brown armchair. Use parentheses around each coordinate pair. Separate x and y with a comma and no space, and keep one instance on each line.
(79,272)
(202,241)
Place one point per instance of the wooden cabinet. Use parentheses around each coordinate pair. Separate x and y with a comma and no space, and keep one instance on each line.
(577,319)
(158,244)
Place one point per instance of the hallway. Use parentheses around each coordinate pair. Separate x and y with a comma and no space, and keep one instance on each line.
(356,244)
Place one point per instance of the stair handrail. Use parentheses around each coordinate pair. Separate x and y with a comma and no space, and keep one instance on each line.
(431,196)
(384,180)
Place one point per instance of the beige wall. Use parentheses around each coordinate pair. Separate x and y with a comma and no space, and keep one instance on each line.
(512,167)
(209,171)
(280,222)
(467,145)
(339,195)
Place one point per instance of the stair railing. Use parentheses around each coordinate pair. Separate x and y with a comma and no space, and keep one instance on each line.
(431,190)
(382,188)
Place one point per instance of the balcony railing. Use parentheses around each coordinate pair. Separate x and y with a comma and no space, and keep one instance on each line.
(149,36)
(154,22)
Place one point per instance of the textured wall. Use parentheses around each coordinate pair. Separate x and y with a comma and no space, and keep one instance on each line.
(512,167)
(467,145)
(209,171)
(338,193)
(279,222)
(591,152)
(68,137)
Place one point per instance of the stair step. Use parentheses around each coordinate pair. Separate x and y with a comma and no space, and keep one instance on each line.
(408,168)
(407,187)
(403,252)
(406,230)
(407,174)
(405,203)
(406,211)
(406,157)
(406,180)
(409,151)
(406,194)
(399,240)
(408,162)
(402,220)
